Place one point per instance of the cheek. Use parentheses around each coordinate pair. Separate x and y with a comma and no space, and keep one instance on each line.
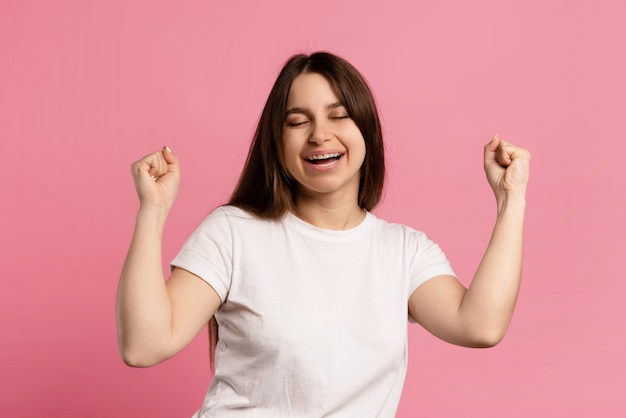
(289,157)
(359,143)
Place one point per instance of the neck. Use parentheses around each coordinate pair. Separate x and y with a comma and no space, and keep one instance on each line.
(332,214)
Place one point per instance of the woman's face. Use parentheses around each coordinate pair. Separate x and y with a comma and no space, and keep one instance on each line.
(323,149)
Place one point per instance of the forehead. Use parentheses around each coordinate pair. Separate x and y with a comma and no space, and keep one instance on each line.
(310,90)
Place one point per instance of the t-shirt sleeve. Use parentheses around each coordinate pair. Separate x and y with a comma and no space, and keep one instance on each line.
(207,253)
(428,261)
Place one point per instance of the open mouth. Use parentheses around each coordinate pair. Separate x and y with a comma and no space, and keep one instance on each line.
(324,158)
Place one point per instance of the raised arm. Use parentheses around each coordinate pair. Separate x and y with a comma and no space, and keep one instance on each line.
(155,318)
(479,316)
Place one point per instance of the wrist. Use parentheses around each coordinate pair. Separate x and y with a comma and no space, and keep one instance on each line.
(511,201)
(152,214)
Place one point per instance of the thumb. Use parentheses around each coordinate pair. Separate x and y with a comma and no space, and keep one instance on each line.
(170,158)
(491,148)
(493,145)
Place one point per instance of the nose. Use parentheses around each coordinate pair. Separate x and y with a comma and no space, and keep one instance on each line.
(320,133)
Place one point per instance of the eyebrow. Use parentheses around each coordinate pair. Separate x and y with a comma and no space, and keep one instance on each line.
(303,110)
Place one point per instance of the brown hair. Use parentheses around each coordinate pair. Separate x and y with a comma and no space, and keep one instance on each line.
(265,188)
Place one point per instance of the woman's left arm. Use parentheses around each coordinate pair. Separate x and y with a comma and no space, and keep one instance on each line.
(479,316)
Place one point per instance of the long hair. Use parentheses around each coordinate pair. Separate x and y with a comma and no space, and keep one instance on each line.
(265,187)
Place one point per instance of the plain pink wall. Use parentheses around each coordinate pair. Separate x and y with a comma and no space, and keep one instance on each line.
(86,87)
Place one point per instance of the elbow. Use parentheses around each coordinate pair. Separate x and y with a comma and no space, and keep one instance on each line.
(486,331)
(488,338)
(482,335)
(487,342)
(136,361)
(476,338)
(143,350)
(139,357)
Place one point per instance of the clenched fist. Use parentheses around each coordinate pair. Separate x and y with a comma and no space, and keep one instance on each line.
(507,168)
(157,177)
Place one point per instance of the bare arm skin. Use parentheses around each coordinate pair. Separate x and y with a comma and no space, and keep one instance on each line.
(156,319)
(479,315)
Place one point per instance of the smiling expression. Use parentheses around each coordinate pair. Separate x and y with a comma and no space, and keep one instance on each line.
(323,149)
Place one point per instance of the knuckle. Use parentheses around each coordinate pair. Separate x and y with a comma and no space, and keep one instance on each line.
(134,167)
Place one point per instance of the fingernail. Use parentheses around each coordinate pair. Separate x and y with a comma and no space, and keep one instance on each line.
(153,178)
(168,149)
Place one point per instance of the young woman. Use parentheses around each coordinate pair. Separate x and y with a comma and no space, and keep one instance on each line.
(310,290)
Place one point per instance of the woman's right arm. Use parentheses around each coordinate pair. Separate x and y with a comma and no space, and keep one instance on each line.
(156,319)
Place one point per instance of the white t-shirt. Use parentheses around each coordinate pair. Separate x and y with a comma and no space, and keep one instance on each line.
(313,321)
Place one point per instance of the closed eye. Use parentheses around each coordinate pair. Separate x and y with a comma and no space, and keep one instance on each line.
(296,123)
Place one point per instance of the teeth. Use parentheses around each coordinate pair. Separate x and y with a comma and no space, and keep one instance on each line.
(324,156)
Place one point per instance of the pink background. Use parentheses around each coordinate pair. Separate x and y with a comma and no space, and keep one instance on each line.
(86,87)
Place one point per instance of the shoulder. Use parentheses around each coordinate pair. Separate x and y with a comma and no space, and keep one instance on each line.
(382,226)
(413,242)
(235,221)
(228,214)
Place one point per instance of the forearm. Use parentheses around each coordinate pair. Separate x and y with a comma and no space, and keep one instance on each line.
(488,304)
(143,305)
